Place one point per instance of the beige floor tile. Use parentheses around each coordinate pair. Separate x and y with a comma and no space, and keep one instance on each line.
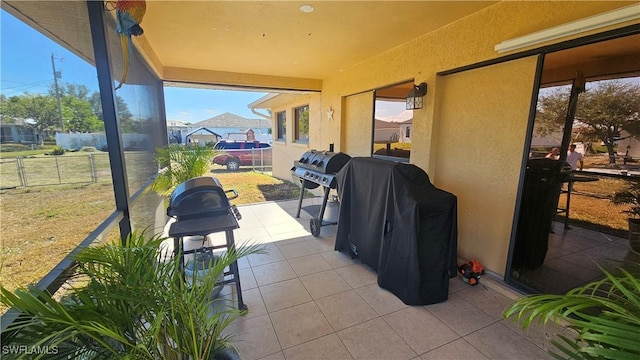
(247,280)
(273,255)
(375,340)
(486,299)
(456,284)
(539,334)
(323,244)
(310,264)
(460,315)
(273,272)
(253,299)
(292,241)
(286,233)
(277,356)
(325,283)
(324,348)
(358,275)
(297,250)
(248,233)
(420,329)
(499,342)
(345,309)
(381,300)
(284,294)
(299,324)
(456,350)
(337,259)
(254,337)
(243,262)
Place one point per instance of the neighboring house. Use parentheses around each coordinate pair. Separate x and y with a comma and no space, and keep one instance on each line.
(177,131)
(229,125)
(202,136)
(402,122)
(629,145)
(18,131)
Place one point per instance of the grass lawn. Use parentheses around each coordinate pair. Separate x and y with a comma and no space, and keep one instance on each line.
(41,225)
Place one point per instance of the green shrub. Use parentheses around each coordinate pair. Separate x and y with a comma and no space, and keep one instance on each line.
(58,150)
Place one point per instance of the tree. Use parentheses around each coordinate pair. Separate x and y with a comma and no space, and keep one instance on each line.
(606,110)
(11,108)
(79,116)
(42,109)
(74,90)
(127,122)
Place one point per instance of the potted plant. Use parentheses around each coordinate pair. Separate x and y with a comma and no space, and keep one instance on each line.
(134,304)
(631,196)
(603,318)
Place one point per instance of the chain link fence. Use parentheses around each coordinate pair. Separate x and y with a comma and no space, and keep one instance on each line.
(54,170)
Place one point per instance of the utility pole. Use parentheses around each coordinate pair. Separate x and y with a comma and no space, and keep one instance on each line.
(56,75)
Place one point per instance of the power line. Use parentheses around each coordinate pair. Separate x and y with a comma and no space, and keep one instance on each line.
(23,84)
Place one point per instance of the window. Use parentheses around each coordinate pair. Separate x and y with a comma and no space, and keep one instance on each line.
(281,120)
(302,124)
(392,123)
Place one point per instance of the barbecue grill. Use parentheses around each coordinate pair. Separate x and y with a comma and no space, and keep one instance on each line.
(540,194)
(314,169)
(201,207)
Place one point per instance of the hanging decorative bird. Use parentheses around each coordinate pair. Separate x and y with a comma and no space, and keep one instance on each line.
(129,15)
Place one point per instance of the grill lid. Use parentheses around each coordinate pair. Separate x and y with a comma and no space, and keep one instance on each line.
(198,197)
(324,162)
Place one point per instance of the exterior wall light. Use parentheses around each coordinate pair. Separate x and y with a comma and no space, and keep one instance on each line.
(414,98)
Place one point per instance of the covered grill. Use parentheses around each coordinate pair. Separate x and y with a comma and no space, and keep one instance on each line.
(318,168)
(201,207)
(540,194)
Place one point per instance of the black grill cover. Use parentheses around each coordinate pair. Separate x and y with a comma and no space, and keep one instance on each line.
(401,225)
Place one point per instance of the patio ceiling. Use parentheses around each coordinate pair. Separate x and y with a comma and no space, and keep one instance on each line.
(276,38)
(266,38)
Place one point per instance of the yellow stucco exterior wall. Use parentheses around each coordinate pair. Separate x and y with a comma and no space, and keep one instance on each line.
(286,152)
(479,158)
(480,131)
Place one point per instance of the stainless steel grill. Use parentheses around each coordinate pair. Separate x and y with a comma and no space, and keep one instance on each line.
(314,169)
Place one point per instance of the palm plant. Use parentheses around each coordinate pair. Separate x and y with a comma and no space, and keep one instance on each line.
(180,163)
(629,196)
(604,316)
(135,305)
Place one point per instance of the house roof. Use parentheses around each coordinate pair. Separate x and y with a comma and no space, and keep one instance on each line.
(204,129)
(229,120)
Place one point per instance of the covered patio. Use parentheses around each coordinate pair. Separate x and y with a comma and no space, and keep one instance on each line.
(305,299)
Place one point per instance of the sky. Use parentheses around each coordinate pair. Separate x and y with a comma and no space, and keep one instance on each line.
(25,66)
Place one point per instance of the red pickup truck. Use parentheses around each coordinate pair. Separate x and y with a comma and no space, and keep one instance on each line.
(234,154)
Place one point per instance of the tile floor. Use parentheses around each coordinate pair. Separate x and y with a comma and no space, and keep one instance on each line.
(307,301)
(573,257)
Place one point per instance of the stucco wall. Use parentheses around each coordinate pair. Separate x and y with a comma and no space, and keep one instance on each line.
(286,152)
(483,173)
(481,129)
(477,159)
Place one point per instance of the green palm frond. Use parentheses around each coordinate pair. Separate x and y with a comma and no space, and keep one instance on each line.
(133,306)
(604,316)
(180,163)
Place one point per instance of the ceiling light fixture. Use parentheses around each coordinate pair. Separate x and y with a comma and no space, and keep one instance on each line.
(307,8)
(617,16)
